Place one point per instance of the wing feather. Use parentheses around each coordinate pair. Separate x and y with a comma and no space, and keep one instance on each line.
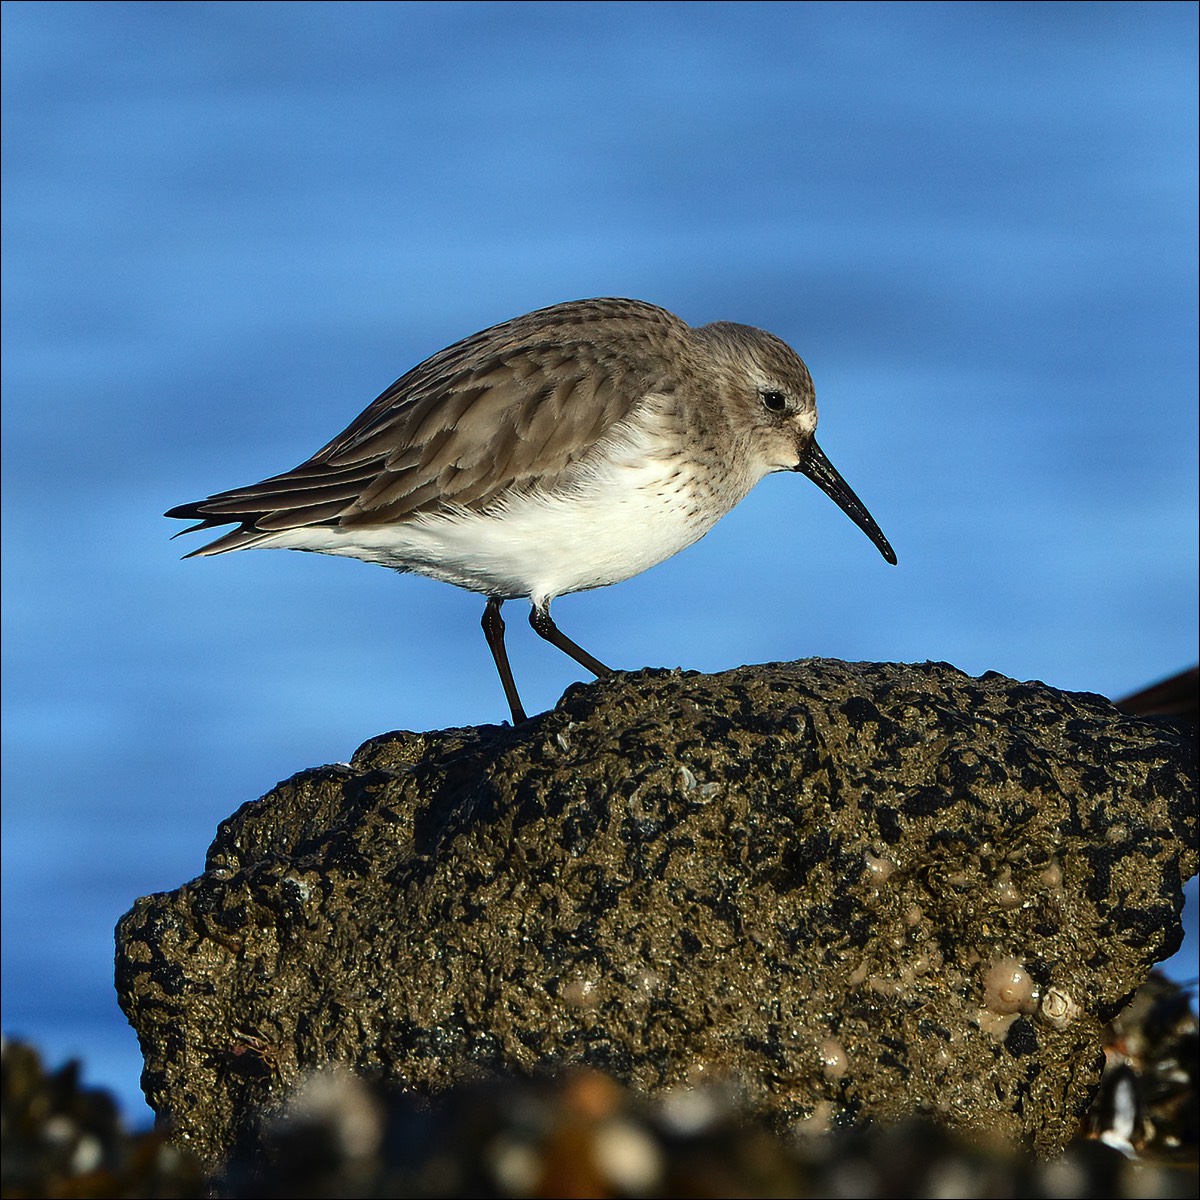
(511,406)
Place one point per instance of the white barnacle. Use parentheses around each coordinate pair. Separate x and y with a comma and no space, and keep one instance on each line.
(1058,1008)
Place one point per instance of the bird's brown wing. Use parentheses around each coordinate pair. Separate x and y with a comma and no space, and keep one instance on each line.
(509,407)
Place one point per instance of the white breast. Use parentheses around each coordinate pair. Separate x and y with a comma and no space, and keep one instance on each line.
(613,520)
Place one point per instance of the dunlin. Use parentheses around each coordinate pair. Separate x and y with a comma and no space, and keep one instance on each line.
(563,450)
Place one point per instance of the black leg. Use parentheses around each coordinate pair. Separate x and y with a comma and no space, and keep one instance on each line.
(493,630)
(544,627)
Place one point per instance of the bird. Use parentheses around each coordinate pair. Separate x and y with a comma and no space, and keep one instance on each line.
(567,449)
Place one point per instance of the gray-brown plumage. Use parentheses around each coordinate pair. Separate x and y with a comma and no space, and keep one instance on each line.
(566,449)
(511,406)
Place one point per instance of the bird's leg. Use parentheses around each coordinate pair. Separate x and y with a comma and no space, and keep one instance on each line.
(544,626)
(493,630)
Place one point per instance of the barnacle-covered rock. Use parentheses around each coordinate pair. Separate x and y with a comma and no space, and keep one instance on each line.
(853,891)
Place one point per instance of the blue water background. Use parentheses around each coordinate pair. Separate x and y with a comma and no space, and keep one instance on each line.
(228,226)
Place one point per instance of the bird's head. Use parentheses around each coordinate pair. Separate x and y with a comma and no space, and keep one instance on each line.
(768,395)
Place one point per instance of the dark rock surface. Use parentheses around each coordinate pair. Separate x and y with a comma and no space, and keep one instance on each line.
(579,1133)
(859,891)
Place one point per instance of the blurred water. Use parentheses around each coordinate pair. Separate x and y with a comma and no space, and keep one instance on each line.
(228,226)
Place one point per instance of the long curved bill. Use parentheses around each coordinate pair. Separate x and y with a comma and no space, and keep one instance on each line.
(825,475)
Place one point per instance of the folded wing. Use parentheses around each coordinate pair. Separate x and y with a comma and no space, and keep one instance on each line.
(510,407)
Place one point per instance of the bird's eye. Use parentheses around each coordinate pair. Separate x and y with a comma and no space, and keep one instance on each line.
(774,401)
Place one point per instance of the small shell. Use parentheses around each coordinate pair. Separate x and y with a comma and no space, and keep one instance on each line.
(1058,1008)
(880,869)
(834,1061)
(1009,988)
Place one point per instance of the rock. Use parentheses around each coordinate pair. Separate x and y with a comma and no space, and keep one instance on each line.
(581,1134)
(64,1139)
(855,891)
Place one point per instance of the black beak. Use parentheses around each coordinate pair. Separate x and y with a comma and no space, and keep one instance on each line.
(824,474)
